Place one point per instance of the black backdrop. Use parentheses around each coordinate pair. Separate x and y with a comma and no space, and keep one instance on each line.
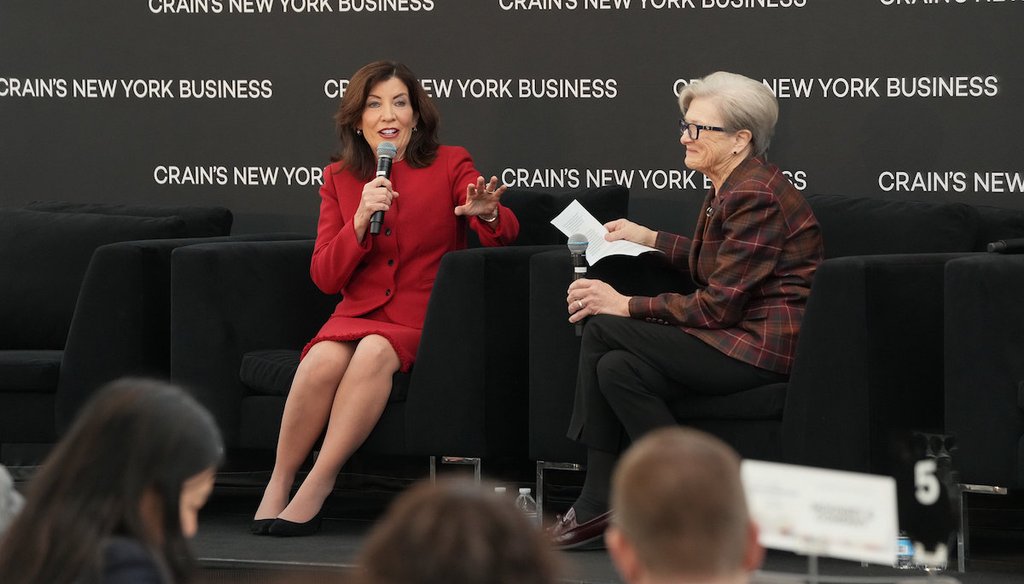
(888,98)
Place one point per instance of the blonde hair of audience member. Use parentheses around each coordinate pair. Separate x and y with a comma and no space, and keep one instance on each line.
(455,532)
(680,512)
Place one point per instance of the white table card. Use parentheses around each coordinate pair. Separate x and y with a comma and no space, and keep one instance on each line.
(821,512)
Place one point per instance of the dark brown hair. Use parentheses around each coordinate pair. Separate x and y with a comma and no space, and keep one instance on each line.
(455,532)
(134,435)
(355,153)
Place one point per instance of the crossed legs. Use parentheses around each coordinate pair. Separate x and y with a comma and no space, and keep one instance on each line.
(345,386)
(630,370)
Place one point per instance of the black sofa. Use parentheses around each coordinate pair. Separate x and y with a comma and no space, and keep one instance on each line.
(79,305)
(869,362)
(242,311)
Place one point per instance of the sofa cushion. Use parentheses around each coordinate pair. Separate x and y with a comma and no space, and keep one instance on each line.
(199,221)
(536,209)
(998,223)
(43,258)
(761,403)
(868,226)
(29,371)
(270,372)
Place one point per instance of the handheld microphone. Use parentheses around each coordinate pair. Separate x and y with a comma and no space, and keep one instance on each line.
(385,153)
(578,248)
(1007,246)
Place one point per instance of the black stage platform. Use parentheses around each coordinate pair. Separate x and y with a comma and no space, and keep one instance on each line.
(229,554)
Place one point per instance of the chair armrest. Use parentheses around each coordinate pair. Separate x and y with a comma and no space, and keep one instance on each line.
(985,368)
(121,323)
(231,298)
(468,392)
(869,361)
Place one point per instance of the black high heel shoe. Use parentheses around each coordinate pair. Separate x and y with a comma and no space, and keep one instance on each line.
(261,526)
(285,528)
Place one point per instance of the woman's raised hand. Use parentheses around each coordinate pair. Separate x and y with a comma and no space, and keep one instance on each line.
(482,199)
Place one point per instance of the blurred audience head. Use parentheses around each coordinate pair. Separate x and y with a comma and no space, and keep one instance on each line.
(680,511)
(10,500)
(138,462)
(455,532)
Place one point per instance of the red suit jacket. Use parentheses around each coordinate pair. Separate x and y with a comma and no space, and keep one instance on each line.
(396,269)
(752,256)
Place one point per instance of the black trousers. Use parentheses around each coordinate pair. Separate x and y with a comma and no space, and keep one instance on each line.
(630,371)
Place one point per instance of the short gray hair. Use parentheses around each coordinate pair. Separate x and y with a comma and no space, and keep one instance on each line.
(745,104)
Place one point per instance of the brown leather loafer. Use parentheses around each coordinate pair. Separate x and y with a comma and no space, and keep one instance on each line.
(567,534)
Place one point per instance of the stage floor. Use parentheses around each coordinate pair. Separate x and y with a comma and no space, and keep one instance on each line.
(228,553)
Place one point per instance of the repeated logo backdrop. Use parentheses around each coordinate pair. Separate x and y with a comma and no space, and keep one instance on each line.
(230,102)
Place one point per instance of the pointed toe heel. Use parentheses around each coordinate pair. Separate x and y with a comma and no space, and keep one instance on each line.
(285,528)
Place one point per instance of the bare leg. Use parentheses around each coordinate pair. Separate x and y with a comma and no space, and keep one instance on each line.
(357,407)
(305,414)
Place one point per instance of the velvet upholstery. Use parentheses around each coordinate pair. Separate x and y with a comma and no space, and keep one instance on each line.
(85,300)
(43,258)
(867,226)
(125,303)
(199,221)
(984,374)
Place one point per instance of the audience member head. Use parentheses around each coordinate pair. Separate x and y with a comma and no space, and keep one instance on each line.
(455,532)
(356,153)
(10,500)
(138,462)
(680,511)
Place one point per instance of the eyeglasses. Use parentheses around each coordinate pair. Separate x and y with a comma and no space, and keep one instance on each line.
(694,129)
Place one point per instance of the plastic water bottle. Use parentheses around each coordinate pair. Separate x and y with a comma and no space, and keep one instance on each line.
(527,505)
(904,552)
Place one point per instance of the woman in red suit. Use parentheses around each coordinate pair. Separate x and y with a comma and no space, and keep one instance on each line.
(344,378)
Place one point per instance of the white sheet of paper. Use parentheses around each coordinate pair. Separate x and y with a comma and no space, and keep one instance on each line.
(576,219)
(821,512)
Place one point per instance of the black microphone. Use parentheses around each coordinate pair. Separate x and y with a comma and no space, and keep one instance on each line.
(385,153)
(578,249)
(1007,246)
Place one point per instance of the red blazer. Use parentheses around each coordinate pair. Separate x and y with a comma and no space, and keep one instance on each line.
(396,269)
(752,256)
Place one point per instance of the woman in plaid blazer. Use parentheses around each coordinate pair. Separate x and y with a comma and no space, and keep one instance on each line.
(752,257)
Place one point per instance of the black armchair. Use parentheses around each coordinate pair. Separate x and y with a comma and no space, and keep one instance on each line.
(869,359)
(241,312)
(81,304)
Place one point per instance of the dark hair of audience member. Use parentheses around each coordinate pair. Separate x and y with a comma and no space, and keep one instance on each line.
(355,153)
(455,532)
(678,497)
(134,435)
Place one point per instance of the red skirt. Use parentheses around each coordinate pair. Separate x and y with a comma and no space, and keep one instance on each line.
(404,340)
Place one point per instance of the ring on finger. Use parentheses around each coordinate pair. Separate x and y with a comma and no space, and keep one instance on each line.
(580,304)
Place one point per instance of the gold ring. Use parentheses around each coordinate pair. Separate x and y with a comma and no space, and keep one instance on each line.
(580,302)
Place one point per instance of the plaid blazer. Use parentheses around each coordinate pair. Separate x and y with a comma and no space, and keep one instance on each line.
(753,255)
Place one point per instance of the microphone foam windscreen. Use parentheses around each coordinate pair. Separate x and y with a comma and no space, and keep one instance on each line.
(386,150)
(577,243)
